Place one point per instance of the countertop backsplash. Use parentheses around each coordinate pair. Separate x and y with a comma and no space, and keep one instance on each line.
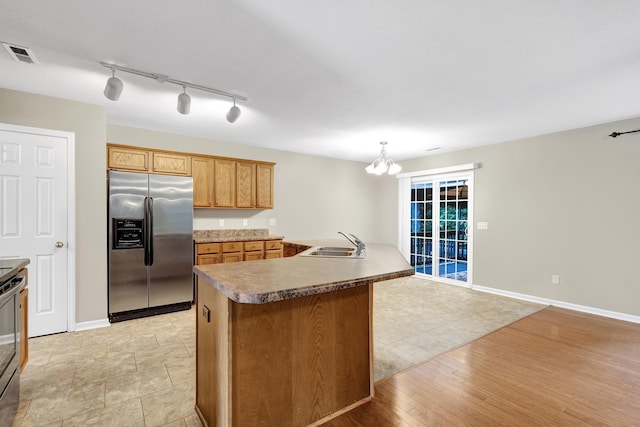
(201,236)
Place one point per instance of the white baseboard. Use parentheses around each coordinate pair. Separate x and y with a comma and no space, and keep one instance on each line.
(561,304)
(92,324)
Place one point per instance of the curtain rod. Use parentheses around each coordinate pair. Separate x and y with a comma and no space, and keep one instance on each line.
(615,134)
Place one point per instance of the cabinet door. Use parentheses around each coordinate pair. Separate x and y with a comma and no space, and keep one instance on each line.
(245,185)
(253,256)
(208,259)
(224,183)
(132,159)
(264,186)
(202,172)
(232,257)
(170,163)
(273,254)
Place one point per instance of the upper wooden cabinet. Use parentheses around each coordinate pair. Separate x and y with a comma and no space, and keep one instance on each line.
(224,183)
(264,186)
(171,163)
(218,182)
(245,185)
(202,173)
(127,158)
(138,160)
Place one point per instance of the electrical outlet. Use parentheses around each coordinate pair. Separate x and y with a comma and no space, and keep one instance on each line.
(221,223)
(555,279)
(272,221)
(245,222)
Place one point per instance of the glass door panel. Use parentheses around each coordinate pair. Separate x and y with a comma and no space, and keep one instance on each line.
(446,249)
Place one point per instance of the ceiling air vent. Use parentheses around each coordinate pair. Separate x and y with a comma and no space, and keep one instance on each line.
(20,54)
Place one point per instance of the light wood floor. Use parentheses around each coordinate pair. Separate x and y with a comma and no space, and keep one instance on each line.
(555,367)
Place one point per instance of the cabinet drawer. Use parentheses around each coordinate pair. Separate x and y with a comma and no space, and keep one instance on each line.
(231,246)
(273,244)
(254,246)
(207,248)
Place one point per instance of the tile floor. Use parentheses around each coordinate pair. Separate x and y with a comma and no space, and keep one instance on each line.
(142,372)
(134,373)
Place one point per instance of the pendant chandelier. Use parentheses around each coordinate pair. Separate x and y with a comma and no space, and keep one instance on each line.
(382,164)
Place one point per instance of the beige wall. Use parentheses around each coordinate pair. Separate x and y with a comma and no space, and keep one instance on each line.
(315,197)
(557,204)
(88,122)
(564,204)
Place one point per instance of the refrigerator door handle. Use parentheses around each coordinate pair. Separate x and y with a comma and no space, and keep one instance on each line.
(150,229)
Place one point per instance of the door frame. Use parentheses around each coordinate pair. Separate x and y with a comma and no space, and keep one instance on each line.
(404,213)
(71,211)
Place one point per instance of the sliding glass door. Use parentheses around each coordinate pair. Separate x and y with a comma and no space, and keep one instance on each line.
(439,221)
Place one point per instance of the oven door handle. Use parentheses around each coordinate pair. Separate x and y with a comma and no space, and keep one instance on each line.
(17,283)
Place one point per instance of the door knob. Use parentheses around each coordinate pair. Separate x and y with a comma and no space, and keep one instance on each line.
(59,244)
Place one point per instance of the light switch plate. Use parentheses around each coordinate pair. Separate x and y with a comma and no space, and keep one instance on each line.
(483,225)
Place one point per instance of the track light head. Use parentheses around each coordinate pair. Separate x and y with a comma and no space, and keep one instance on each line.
(114,87)
(184,102)
(234,113)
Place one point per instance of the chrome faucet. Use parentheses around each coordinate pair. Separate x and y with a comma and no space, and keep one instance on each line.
(359,244)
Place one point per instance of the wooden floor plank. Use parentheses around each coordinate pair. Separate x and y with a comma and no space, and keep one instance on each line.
(555,367)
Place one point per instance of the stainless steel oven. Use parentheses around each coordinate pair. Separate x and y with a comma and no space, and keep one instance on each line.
(10,346)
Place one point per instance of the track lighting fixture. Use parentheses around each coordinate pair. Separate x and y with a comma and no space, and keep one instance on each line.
(382,164)
(184,102)
(234,112)
(114,89)
(114,86)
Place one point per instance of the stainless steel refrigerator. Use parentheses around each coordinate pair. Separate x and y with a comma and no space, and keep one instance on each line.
(150,252)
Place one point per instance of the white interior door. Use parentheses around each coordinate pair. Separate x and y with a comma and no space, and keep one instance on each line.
(33,221)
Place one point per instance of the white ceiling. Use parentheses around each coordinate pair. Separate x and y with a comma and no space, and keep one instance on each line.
(335,77)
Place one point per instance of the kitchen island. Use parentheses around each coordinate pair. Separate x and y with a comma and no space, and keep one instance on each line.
(287,342)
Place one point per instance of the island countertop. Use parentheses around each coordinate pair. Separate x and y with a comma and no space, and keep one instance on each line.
(269,280)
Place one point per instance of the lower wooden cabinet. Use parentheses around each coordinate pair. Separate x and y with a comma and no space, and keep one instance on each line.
(273,364)
(273,249)
(292,249)
(252,250)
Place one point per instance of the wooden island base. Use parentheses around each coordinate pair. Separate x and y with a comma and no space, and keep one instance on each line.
(296,362)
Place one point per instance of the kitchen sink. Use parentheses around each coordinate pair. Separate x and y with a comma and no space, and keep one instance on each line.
(333,252)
